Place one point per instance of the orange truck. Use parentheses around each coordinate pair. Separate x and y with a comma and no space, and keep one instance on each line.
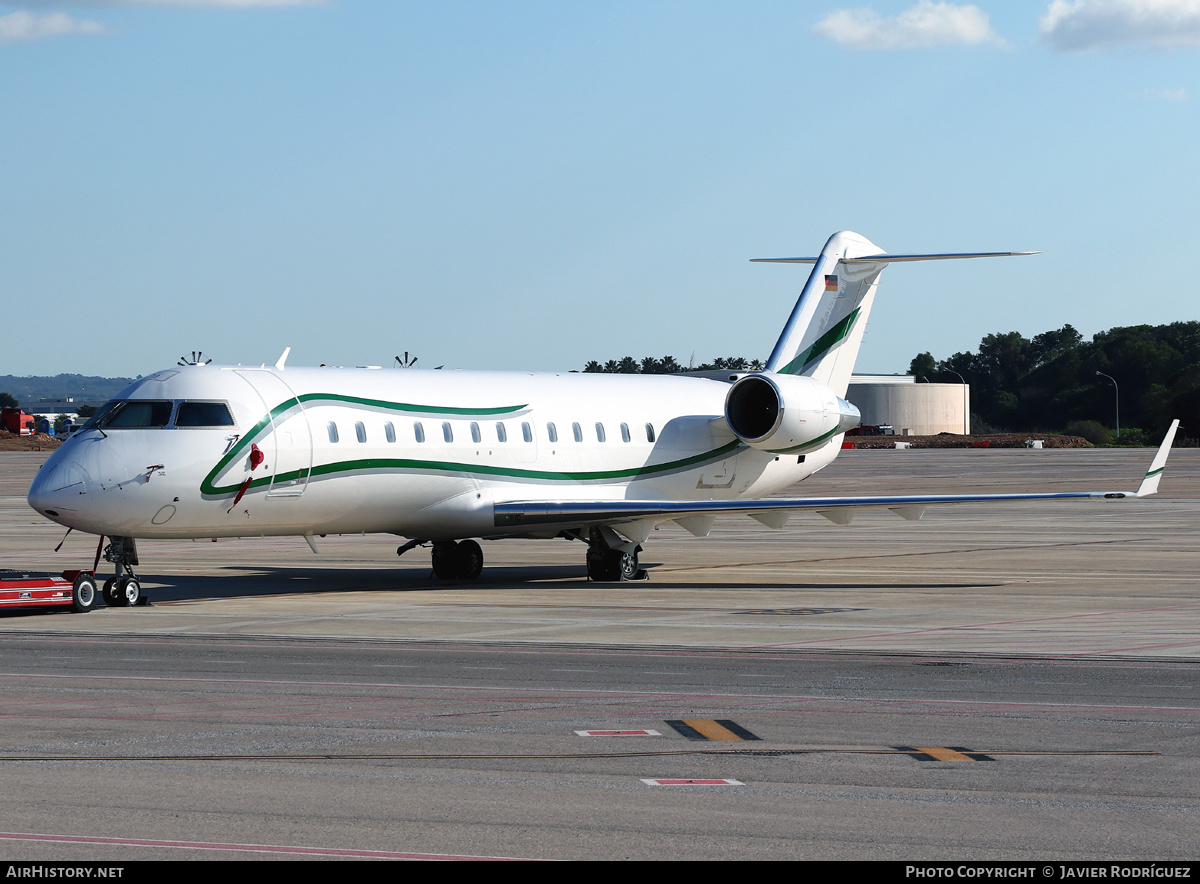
(16,421)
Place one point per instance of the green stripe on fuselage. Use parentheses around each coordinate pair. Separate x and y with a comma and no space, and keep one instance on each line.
(256,432)
(422,465)
(821,345)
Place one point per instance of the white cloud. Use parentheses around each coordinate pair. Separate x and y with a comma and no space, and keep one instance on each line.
(20,26)
(1168,94)
(923,26)
(1103,24)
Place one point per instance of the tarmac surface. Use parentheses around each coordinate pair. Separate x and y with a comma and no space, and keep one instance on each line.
(1008,682)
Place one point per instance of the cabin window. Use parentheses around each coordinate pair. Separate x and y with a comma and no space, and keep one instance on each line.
(360,430)
(333,433)
(526,432)
(649,432)
(203,414)
(625,432)
(552,432)
(389,432)
(501,432)
(447,431)
(418,432)
(476,436)
(577,432)
(136,414)
(599,431)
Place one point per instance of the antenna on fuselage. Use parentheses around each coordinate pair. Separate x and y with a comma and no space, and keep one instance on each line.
(197,359)
(406,361)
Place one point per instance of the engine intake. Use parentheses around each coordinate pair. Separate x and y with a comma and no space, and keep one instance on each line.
(786,413)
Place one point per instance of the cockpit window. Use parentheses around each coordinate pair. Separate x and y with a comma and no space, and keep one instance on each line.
(100,416)
(203,414)
(138,413)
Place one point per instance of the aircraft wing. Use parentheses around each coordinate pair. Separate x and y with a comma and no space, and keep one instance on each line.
(635,518)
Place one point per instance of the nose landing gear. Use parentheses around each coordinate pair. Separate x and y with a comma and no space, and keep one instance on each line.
(124,590)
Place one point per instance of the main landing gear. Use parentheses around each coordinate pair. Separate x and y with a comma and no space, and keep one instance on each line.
(607,564)
(462,560)
(124,590)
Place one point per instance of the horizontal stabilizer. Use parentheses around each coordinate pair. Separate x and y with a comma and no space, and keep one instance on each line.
(893,259)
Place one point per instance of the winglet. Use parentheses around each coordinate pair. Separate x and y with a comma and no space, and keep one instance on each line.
(1150,483)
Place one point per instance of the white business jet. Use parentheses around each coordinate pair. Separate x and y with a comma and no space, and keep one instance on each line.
(441,458)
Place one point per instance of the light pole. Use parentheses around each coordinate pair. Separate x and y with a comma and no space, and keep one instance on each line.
(966,413)
(1117,394)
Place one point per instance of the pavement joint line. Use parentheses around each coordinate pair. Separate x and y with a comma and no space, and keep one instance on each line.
(452,756)
(617,692)
(241,848)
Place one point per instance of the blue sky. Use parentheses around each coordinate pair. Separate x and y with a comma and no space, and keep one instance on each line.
(526,185)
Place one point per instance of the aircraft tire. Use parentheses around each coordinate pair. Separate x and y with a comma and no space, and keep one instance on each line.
(129,592)
(110,593)
(469,559)
(445,560)
(605,567)
(626,566)
(83,593)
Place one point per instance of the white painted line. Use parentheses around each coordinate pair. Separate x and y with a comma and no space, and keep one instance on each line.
(681,782)
(618,733)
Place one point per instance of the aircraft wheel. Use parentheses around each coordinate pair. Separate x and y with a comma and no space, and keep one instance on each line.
(83,593)
(470,559)
(603,566)
(110,592)
(129,592)
(445,559)
(626,565)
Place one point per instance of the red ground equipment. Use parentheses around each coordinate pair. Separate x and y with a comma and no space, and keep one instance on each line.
(77,589)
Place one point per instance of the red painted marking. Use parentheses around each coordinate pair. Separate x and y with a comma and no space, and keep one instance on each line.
(253,848)
(618,733)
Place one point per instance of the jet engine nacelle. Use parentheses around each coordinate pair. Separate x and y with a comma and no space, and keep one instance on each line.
(786,413)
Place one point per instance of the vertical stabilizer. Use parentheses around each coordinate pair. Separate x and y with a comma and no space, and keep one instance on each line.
(823,334)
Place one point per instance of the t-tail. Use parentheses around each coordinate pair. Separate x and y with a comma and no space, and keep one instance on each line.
(823,334)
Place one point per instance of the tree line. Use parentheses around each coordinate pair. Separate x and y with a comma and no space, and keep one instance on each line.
(670,365)
(1056,380)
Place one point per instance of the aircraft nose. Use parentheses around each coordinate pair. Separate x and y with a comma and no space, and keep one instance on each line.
(58,488)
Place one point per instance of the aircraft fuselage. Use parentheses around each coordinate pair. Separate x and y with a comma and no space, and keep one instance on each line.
(414,453)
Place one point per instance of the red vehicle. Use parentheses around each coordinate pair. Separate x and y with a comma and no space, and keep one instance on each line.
(872,430)
(17,421)
(77,589)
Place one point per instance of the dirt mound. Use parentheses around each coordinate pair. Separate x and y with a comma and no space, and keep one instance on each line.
(951,440)
(37,442)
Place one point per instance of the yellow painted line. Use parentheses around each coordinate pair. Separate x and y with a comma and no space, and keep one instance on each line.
(711,729)
(941,753)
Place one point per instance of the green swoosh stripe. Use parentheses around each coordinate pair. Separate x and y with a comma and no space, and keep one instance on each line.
(409,464)
(821,345)
(817,441)
(407,407)
(207,487)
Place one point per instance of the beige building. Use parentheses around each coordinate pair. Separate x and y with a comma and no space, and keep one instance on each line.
(913,409)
